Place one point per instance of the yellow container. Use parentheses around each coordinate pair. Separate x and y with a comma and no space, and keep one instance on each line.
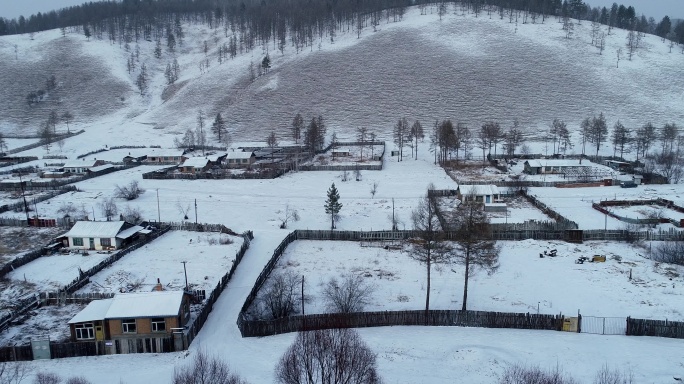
(570,324)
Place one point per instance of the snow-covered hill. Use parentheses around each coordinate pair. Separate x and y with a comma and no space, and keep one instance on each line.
(465,68)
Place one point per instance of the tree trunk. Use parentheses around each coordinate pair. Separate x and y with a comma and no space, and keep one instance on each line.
(465,284)
(332,221)
(427,295)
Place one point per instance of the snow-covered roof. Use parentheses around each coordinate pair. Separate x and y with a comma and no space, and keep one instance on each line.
(96,229)
(195,162)
(558,163)
(239,155)
(101,167)
(156,152)
(95,310)
(126,233)
(132,305)
(145,304)
(80,164)
(479,190)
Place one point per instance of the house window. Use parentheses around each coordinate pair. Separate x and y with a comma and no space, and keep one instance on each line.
(106,242)
(244,160)
(78,241)
(158,324)
(128,326)
(548,169)
(84,331)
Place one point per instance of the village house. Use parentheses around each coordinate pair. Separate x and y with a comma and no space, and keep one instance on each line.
(135,322)
(81,167)
(195,165)
(102,235)
(166,156)
(484,193)
(553,166)
(236,159)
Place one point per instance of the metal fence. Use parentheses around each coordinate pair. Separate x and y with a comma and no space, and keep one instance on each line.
(603,325)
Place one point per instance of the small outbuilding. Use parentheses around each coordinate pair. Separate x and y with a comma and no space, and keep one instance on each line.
(195,165)
(81,167)
(483,193)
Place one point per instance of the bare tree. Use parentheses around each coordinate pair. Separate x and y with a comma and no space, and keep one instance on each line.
(621,138)
(67,117)
(279,297)
(200,135)
(183,209)
(132,215)
(667,164)
(47,378)
(77,380)
(598,131)
(374,189)
(513,138)
(613,376)
(272,142)
(3,144)
(671,252)
(428,247)
(417,132)
(13,372)
(297,127)
(108,208)
(399,134)
(288,215)
(362,137)
(47,135)
(328,356)
(517,374)
(205,369)
(618,53)
(348,295)
(474,248)
(129,192)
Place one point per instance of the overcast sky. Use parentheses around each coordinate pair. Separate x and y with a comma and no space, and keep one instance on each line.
(655,8)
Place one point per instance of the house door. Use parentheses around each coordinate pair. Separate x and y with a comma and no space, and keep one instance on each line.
(488,199)
(92,243)
(99,335)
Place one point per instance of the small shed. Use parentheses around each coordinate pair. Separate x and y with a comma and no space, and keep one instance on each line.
(484,193)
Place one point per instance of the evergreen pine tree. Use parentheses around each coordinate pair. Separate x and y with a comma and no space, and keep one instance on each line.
(332,204)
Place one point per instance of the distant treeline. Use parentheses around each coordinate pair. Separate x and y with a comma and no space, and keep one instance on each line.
(305,19)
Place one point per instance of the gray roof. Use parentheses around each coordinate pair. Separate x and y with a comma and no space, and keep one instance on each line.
(97,229)
(132,305)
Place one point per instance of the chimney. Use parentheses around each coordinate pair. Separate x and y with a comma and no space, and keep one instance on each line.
(158,287)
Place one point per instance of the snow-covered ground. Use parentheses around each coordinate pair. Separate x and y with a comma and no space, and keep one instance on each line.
(542,68)
(575,203)
(207,261)
(51,273)
(523,280)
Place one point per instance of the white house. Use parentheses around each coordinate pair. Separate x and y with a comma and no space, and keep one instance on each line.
(102,235)
(485,193)
(165,156)
(239,159)
(81,167)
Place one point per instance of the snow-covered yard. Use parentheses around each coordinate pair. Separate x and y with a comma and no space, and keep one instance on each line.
(51,273)
(207,261)
(523,281)
(349,155)
(48,321)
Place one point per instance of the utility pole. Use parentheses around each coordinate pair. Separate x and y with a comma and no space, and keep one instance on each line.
(158,211)
(186,275)
(195,211)
(23,195)
(394,222)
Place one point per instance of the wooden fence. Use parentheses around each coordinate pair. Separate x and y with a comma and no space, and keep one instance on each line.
(85,276)
(257,328)
(22,260)
(201,318)
(42,141)
(199,227)
(658,328)
(353,167)
(33,201)
(63,298)
(168,174)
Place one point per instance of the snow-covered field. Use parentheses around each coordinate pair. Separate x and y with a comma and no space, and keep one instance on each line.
(51,273)
(207,261)
(575,203)
(47,321)
(523,280)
